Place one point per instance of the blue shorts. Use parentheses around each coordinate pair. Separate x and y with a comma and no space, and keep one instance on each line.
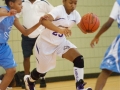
(111,59)
(6,57)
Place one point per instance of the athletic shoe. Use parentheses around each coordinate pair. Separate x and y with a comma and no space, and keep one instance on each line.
(80,85)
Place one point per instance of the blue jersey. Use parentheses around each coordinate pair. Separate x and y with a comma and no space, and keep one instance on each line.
(6,23)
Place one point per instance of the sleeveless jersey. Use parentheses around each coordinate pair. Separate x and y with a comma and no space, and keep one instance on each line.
(6,23)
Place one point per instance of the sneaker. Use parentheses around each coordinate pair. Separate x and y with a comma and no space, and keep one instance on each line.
(42,83)
(29,85)
(80,85)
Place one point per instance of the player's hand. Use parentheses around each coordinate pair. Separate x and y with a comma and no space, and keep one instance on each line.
(45,17)
(40,21)
(66,32)
(95,40)
(12,12)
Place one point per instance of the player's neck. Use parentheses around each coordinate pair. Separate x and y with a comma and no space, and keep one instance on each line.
(32,1)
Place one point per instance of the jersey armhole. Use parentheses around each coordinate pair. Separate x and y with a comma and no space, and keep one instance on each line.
(118,1)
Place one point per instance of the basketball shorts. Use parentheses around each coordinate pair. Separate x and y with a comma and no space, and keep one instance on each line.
(46,53)
(27,45)
(6,57)
(111,59)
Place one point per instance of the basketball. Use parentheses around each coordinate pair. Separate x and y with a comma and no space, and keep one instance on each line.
(89,23)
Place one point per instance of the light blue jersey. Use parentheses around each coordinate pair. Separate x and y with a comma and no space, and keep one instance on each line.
(6,23)
(6,55)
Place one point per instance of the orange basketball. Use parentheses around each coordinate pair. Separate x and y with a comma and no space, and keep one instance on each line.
(89,23)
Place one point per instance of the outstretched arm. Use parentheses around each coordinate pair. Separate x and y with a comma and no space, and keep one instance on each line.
(24,31)
(104,28)
(4,12)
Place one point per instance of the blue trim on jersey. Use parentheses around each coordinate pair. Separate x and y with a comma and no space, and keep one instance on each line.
(37,48)
(74,21)
(45,1)
(118,1)
(58,19)
(37,60)
(62,26)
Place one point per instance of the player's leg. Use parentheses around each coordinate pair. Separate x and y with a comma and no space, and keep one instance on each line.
(27,48)
(101,80)
(9,75)
(29,80)
(68,50)
(74,56)
(42,64)
(110,63)
(8,63)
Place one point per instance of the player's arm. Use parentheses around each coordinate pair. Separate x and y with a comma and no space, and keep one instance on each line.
(103,29)
(4,12)
(24,31)
(113,16)
(48,24)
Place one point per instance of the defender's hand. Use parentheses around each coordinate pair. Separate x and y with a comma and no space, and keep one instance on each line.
(12,12)
(95,40)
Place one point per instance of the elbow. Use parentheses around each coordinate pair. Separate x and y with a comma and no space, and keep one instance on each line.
(25,33)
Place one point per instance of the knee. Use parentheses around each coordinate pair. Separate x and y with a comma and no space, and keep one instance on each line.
(11,71)
(107,72)
(79,62)
(27,59)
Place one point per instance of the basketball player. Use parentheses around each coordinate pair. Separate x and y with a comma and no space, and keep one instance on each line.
(31,12)
(111,61)
(7,20)
(51,43)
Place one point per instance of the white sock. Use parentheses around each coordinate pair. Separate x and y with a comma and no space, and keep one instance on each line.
(78,73)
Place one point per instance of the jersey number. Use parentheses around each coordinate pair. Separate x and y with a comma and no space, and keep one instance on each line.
(57,34)
(6,34)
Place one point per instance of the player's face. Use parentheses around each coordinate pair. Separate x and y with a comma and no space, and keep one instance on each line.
(69,5)
(17,5)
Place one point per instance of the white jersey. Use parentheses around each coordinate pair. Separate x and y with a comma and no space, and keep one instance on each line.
(115,11)
(31,13)
(61,20)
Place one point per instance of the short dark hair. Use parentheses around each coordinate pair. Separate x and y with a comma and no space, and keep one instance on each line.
(7,1)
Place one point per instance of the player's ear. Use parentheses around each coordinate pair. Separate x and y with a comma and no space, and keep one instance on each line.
(11,4)
(64,1)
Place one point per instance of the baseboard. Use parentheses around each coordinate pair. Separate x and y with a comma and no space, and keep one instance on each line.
(71,77)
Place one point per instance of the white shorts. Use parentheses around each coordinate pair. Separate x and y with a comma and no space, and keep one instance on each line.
(46,52)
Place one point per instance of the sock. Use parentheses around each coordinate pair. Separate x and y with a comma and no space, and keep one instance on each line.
(78,73)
